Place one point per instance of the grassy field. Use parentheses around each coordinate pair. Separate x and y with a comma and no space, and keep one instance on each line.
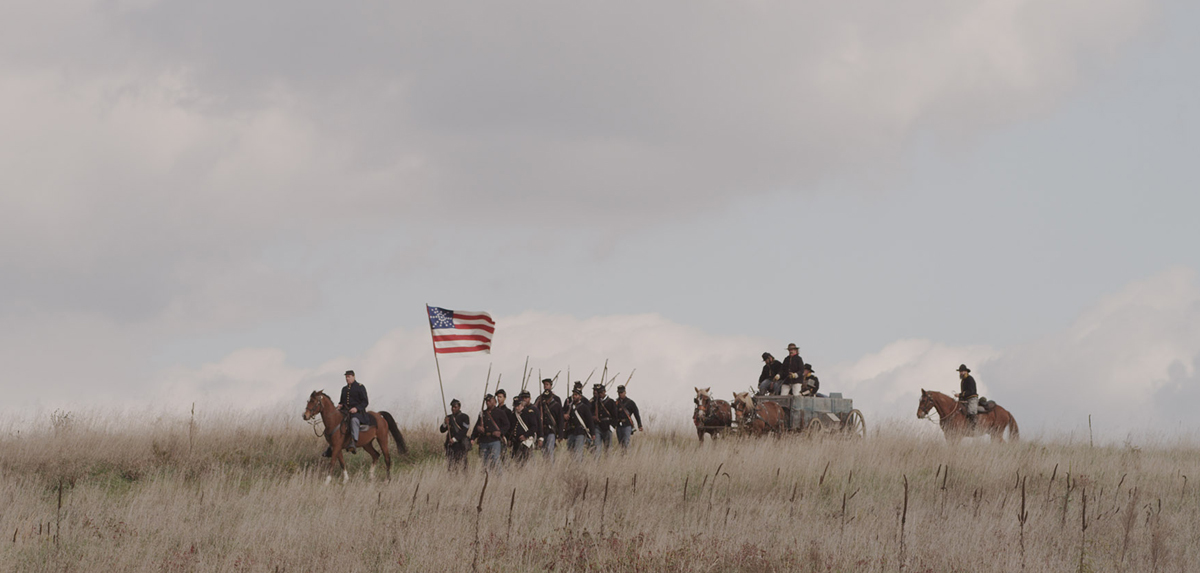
(247,494)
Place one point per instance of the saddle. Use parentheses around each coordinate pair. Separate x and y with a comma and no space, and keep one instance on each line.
(985,405)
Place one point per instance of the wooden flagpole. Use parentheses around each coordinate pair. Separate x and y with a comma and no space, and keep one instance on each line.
(436,362)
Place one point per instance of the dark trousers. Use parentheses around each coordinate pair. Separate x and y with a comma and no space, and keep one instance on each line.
(456,458)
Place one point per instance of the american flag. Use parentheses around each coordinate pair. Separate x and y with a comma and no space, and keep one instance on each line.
(460,331)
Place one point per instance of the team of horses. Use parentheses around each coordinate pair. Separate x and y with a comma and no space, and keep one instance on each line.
(714,417)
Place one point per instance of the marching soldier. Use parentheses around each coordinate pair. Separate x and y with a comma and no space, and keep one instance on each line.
(525,432)
(604,411)
(627,413)
(489,433)
(550,418)
(501,407)
(578,424)
(354,402)
(968,394)
(811,384)
(579,386)
(768,381)
(455,427)
(791,371)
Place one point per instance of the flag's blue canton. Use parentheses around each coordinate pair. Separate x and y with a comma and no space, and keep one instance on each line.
(441,318)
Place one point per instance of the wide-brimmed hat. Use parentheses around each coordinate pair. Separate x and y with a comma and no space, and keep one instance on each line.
(963,368)
(793,346)
(809,368)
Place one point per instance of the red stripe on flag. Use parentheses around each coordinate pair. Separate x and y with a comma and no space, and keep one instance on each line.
(479,337)
(462,316)
(462,349)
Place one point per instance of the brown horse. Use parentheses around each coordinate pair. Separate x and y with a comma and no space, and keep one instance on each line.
(952,417)
(381,424)
(710,416)
(758,419)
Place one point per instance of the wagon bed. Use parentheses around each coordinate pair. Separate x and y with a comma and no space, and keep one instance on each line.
(830,414)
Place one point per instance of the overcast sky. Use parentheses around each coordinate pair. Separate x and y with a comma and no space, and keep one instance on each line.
(233,202)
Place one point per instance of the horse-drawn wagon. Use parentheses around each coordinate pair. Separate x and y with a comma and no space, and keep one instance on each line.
(818,415)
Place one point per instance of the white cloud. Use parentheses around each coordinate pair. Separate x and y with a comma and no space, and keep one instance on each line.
(1128,361)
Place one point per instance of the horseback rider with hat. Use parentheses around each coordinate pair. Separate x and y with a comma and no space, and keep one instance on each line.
(353,403)
(968,394)
(768,381)
(791,371)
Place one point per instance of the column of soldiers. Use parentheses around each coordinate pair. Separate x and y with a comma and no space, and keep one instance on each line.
(504,434)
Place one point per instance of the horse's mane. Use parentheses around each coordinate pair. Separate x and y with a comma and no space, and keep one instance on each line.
(743,398)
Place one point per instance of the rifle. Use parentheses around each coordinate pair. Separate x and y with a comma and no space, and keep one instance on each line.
(483,406)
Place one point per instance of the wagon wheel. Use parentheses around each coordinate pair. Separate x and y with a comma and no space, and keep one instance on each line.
(854,426)
(815,428)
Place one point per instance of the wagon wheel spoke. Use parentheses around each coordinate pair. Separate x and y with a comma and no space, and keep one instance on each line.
(854,426)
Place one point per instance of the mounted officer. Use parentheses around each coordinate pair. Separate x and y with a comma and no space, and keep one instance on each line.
(791,371)
(968,396)
(354,404)
(550,417)
(455,427)
(627,412)
(768,381)
(811,384)
(604,410)
(578,423)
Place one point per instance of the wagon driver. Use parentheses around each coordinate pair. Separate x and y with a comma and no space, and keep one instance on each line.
(791,371)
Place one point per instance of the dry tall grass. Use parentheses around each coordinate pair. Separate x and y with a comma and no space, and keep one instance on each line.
(247,495)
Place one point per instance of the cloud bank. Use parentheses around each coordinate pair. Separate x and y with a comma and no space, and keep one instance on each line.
(1130,361)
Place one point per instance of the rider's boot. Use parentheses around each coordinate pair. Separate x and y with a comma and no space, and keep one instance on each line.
(328,452)
(972,419)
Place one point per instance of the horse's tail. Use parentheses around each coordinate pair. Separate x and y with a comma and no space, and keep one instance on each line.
(1014,433)
(395,430)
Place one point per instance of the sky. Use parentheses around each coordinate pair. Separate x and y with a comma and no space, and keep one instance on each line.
(231,203)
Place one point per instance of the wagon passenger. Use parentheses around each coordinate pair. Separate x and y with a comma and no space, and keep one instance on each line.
(811,384)
(768,381)
(791,371)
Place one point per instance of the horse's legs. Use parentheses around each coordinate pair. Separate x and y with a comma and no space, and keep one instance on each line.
(336,458)
(382,437)
(374,457)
